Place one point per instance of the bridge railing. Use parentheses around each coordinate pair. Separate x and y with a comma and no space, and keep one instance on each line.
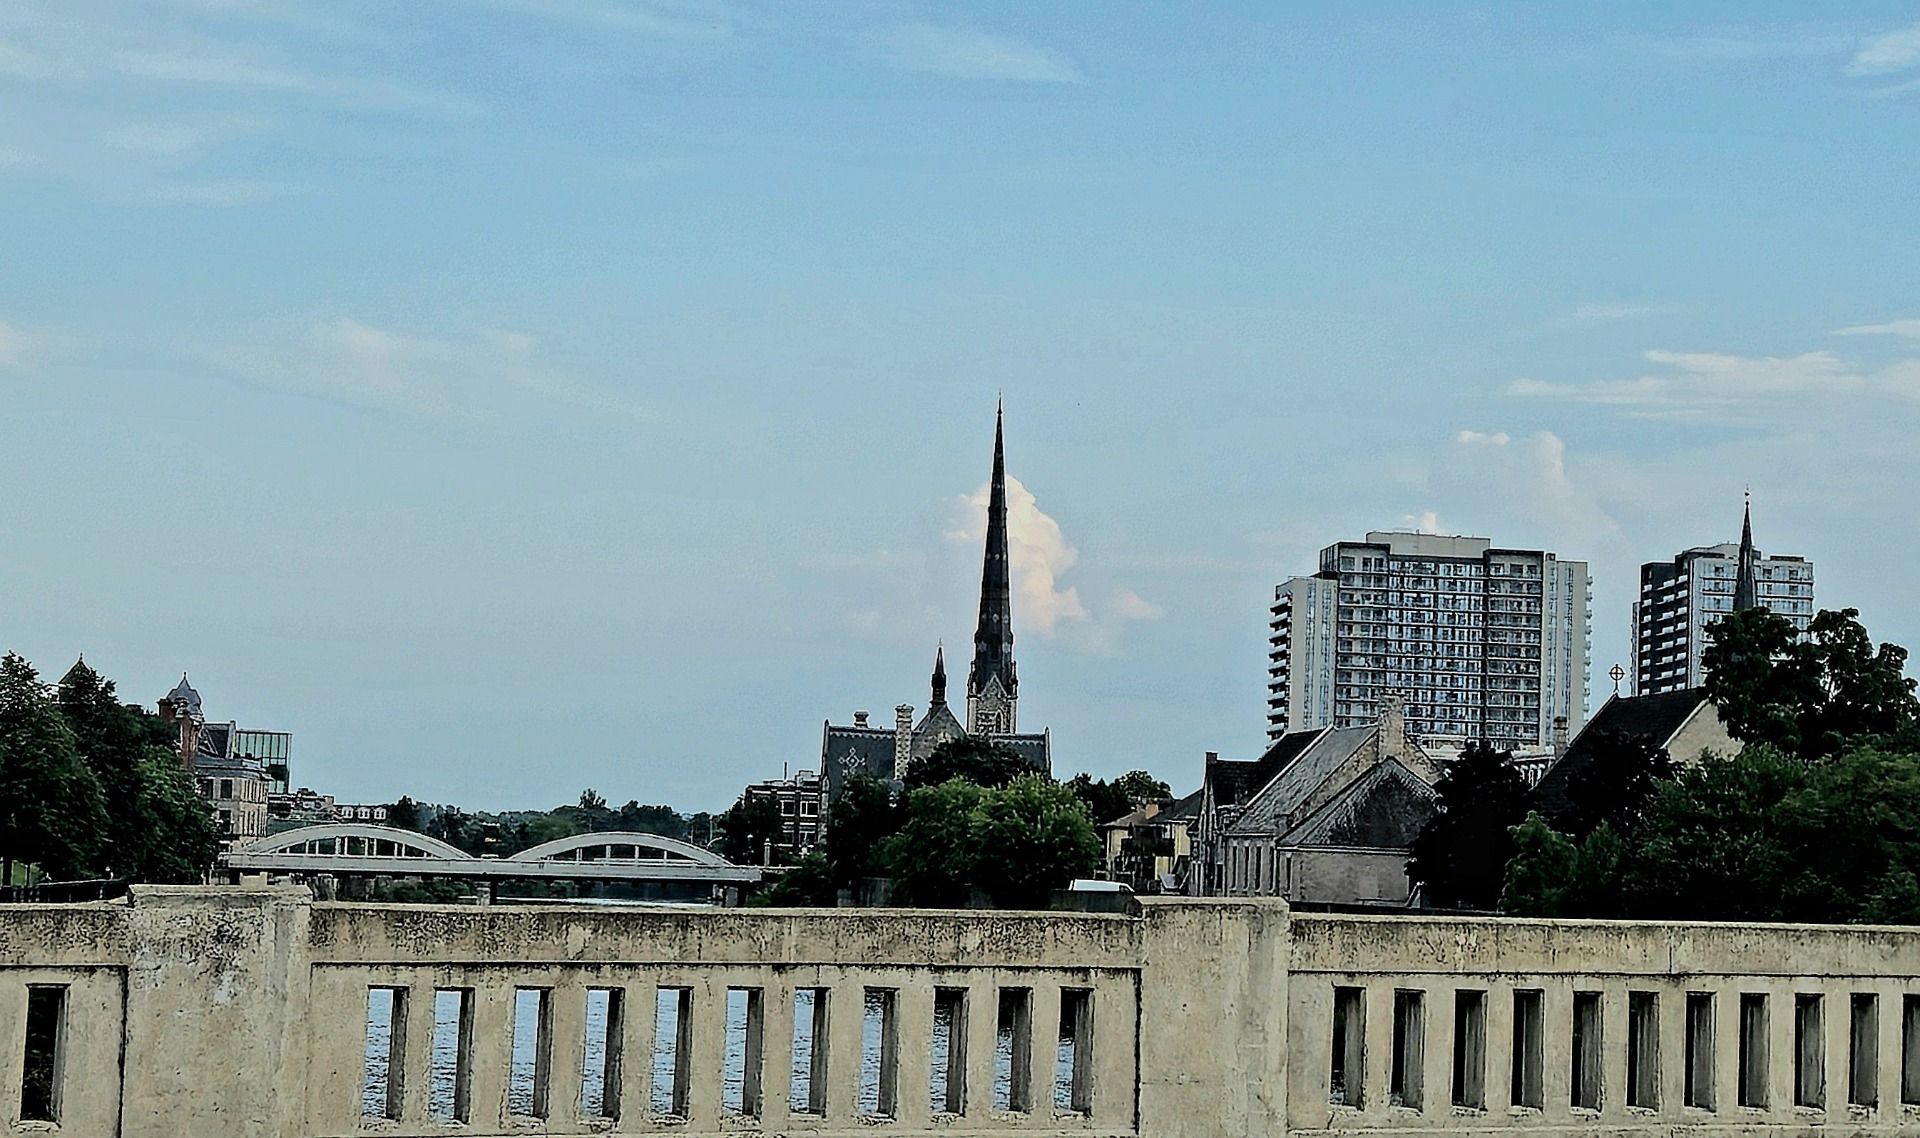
(257,1013)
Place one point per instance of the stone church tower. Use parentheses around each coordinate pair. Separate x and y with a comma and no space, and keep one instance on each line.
(993,688)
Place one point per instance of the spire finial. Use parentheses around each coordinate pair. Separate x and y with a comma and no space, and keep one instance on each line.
(1746,585)
(992,674)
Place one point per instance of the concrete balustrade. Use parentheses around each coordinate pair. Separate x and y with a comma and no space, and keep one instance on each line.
(245,1012)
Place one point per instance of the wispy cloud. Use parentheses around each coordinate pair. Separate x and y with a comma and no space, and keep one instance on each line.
(18,63)
(1739,46)
(1600,313)
(216,191)
(637,19)
(350,361)
(210,70)
(162,140)
(1693,383)
(11,156)
(1907,328)
(1888,52)
(14,345)
(963,53)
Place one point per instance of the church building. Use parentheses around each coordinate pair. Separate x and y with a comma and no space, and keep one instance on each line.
(993,684)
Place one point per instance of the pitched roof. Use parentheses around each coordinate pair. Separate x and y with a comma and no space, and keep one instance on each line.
(847,751)
(1658,717)
(1385,808)
(1236,781)
(1183,809)
(1271,810)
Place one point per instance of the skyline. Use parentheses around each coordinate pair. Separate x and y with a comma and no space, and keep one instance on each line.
(509,397)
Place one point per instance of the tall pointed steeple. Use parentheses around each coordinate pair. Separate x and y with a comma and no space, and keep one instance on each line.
(1746,590)
(939,678)
(992,686)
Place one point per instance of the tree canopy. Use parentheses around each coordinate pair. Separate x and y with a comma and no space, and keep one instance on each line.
(1808,695)
(1462,852)
(981,762)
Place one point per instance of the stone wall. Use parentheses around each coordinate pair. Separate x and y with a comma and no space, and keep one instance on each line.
(245,1013)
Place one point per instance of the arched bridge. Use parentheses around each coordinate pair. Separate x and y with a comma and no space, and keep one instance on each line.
(357,849)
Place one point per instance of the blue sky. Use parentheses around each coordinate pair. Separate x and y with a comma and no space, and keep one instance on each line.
(510,397)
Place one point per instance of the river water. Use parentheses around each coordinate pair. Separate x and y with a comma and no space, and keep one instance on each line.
(520,1095)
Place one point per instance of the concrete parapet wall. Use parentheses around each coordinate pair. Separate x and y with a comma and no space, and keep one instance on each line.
(208,1013)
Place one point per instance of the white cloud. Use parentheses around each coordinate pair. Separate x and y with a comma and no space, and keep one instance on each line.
(1598,313)
(1891,51)
(1696,381)
(1527,478)
(18,63)
(1482,438)
(215,191)
(11,156)
(165,140)
(1744,47)
(963,53)
(1041,557)
(354,362)
(13,347)
(210,70)
(1907,328)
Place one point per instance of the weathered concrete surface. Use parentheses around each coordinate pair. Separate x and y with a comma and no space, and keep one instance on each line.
(242,1013)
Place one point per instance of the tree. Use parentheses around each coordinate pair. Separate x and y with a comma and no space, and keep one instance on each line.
(1033,837)
(1139,786)
(1617,783)
(1808,696)
(1540,877)
(748,830)
(590,799)
(1461,855)
(52,812)
(404,814)
(808,882)
(1105,801)
(981,762)
(159,829)
(934,857)
(859,821)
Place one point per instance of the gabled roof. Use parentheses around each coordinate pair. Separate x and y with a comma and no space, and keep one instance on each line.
(1658,717)
(847,751)
(1271,810)
(1236,781)
(1183,809)
(1385,808)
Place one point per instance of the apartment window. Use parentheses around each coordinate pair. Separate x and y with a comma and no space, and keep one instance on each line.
(1409,1048)
(1863,1050)
(1809,1051)
(1643,1050)
(1586,1070)
(1529,1031)
(1470,1049)
(1698,1090)
(1346,1083)
(1753,1049)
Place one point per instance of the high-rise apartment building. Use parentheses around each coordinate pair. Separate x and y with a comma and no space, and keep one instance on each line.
(1481,643)
(1680,598)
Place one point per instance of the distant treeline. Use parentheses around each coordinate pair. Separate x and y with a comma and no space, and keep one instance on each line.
(508,832)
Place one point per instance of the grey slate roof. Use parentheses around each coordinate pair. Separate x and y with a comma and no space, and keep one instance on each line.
(1272,809)
(846,751)
(1658,717)
(1236,781)
(1385,808)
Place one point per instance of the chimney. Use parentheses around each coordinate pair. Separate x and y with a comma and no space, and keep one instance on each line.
(859,719)
(902,739)
(1559,735)
(1391,738)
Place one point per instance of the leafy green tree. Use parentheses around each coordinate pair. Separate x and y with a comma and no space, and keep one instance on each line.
(1618,783)
(808,882)
(591,799)
(981,762)
(662,820)
(748,829)
(52,811)
(1460,857)
(859,822)
(1139,787)
(159,829)
(1105,801)
(1540,876)
(935,856)
(1808,696)
(404,814)
(1718,844)
(1031,838)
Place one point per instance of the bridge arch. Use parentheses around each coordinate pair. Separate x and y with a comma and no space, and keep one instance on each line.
(355,839)
(609,846)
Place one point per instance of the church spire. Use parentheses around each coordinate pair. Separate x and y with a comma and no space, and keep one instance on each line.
(991,684)
(939,678)
(1746,591)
